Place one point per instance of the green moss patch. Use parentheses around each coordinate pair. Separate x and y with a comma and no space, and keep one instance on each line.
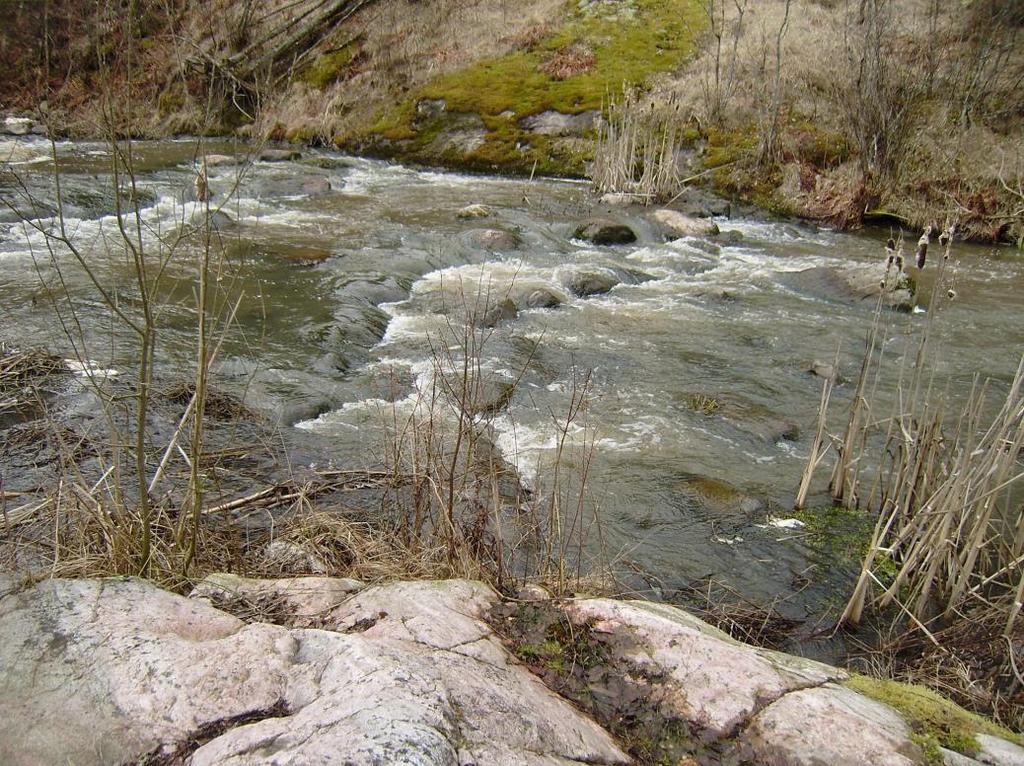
(571,69)
(656,39)
(329,67)
(935,721)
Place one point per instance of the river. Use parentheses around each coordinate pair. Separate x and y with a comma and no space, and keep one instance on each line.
(700,409)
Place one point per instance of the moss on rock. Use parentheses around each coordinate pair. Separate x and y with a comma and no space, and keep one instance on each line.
(935,720)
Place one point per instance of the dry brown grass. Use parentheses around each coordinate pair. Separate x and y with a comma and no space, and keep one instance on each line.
(568,61)
(78,530)
(919,114)
(402,45)
(942,566)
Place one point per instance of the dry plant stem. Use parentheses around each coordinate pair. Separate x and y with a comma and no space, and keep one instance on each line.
(818,448)
(942,520)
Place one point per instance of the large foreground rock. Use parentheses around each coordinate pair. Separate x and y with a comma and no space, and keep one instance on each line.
(115,671)
(316,670)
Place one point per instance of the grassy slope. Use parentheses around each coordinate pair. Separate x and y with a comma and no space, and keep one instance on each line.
(656,38)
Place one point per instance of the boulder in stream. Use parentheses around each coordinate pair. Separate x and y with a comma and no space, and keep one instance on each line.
(473,211)
(586,283)
(603,231)
(496,240)
(299,186)
(18,126)
(221,160)
(854,284)
(676,224)
(279,155)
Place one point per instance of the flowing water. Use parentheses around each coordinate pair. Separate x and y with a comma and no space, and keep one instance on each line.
(701,407)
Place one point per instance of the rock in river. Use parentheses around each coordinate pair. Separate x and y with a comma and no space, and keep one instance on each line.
(587,283)
(280,155)
(602,231)
(676,224)
(473,211)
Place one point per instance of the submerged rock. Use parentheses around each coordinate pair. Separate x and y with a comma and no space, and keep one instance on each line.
(825,370)
(280,155)
(853,285)
(539,298)
(473,211)
(602,231)
(720,497)
(502,311)
(301,186)
(219,160)
(496,240)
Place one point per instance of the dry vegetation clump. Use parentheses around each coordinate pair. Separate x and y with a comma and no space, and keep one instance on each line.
(975,663)
(22,376)
(219,405)
(747,621)
(569,61)
(638,148)
(942,564)
(80,530)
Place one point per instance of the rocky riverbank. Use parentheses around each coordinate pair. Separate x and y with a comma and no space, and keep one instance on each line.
(827,132)
(324,670)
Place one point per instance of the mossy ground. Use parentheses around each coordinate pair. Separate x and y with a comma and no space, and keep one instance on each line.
(627,46)
(935,721)
(842,534)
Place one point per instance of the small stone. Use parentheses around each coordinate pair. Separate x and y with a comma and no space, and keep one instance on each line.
(533,592)
(618,199)
(291,558)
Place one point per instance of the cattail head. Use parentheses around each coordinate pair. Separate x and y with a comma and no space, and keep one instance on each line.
(882,284)
(922,246)
(890,246)
(899,262)
(951,294)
